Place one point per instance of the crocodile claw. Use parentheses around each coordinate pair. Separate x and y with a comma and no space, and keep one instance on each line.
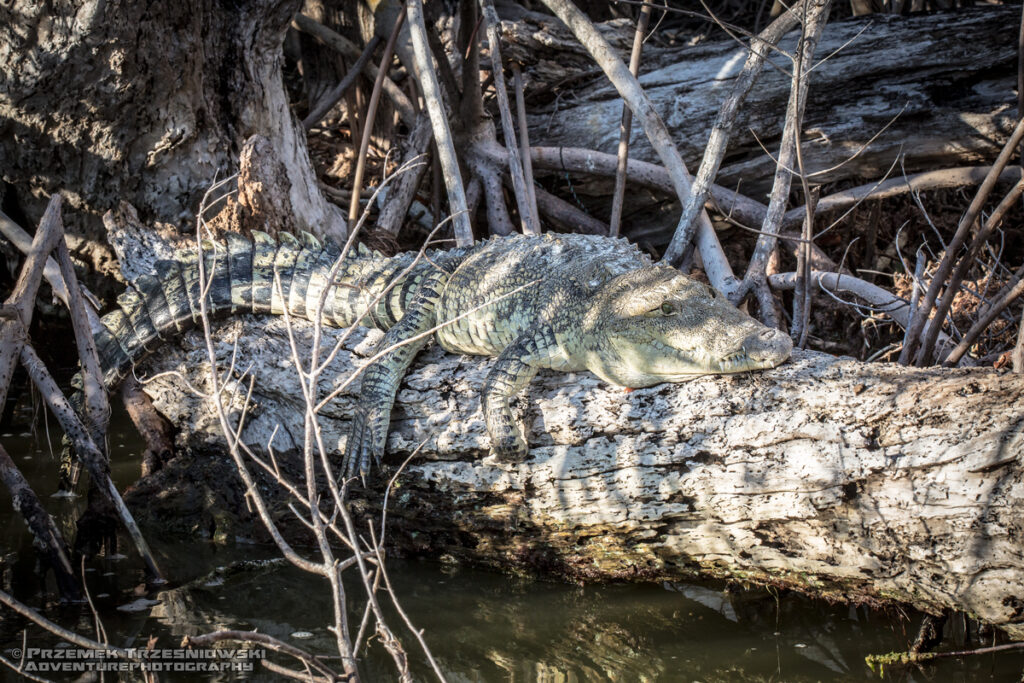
(366,439)
(509,447)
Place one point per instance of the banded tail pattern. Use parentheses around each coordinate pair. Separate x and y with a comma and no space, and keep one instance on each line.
(255,276)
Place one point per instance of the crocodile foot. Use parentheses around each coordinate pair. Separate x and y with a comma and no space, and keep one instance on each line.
(366,440)
(509,447)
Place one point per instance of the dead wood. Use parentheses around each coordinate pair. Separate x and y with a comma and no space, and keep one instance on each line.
(154,428)
(716,265)
(47,536)
(145,104)
(952,91)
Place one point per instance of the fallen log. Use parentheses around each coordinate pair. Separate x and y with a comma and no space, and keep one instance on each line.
(951,97)
(861,482)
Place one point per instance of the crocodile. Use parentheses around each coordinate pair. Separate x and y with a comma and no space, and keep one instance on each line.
(562,302)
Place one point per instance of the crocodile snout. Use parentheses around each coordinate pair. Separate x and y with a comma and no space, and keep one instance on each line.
(768,347)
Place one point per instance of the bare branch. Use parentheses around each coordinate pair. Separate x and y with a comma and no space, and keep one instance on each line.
(715,264)
(718,141)
(439,121)
(626,126)
(530,223)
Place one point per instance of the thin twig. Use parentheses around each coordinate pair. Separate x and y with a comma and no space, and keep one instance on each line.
(815,17)
(626,125)
(951,253)
(524,145)
(331,98)
(715,263)
(802,295)
(439,122)
(371,115)
(208,640)
(530,224)
(718,140)
(338,42)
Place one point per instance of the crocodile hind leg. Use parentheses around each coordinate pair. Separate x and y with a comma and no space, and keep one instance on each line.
(370,419)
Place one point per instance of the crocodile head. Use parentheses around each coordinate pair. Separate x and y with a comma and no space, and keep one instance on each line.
(656,325)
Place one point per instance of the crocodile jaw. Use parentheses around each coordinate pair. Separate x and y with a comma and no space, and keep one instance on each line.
(645,364)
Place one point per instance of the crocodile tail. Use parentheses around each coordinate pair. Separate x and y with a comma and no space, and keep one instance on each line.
(261,275)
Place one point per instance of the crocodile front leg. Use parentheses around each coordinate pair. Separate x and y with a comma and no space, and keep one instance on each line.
(512,371)
(372,415)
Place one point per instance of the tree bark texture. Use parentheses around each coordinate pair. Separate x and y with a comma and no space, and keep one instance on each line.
(862,482)
(146,103)
(951,74)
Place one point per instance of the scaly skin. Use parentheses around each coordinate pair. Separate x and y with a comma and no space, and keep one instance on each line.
(565,302)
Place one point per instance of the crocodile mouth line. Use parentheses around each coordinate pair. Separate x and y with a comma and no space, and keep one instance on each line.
(733,363)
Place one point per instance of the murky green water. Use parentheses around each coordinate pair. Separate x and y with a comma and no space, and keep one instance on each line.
(481,626)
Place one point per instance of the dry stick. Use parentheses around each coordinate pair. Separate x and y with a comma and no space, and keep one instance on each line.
(738,208)
(439,121)
(524,144)
(580,160)
(471,108)
(61,632)
(150,424)
(310,392)
(498,221)
(915,292)
(97,405)
(929,180)
(626,126)
(715,263)
(329,567)
(371,114)
(814,23)
(802,296)
(881,301)
(19,669)
(328,101)
(718,140)
(530,224)
(952,249)
(22,300)
(294,674)
(911,657)
(568,214)
(803,293)
(403,190)
(341,44)
(984,321)
(993,221)
(22,241)
(43,528)
(86,450)
(1017,357)
(329,571)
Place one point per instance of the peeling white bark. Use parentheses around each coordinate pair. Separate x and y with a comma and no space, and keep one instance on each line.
(855,481)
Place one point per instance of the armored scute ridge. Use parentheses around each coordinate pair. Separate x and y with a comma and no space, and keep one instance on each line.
(258,276)
(567,302)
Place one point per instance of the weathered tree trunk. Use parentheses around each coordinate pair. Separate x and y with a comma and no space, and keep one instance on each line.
(146,103)
(950,78)
(863,482)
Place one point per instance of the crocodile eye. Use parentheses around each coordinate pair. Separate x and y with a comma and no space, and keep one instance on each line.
(667,308)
